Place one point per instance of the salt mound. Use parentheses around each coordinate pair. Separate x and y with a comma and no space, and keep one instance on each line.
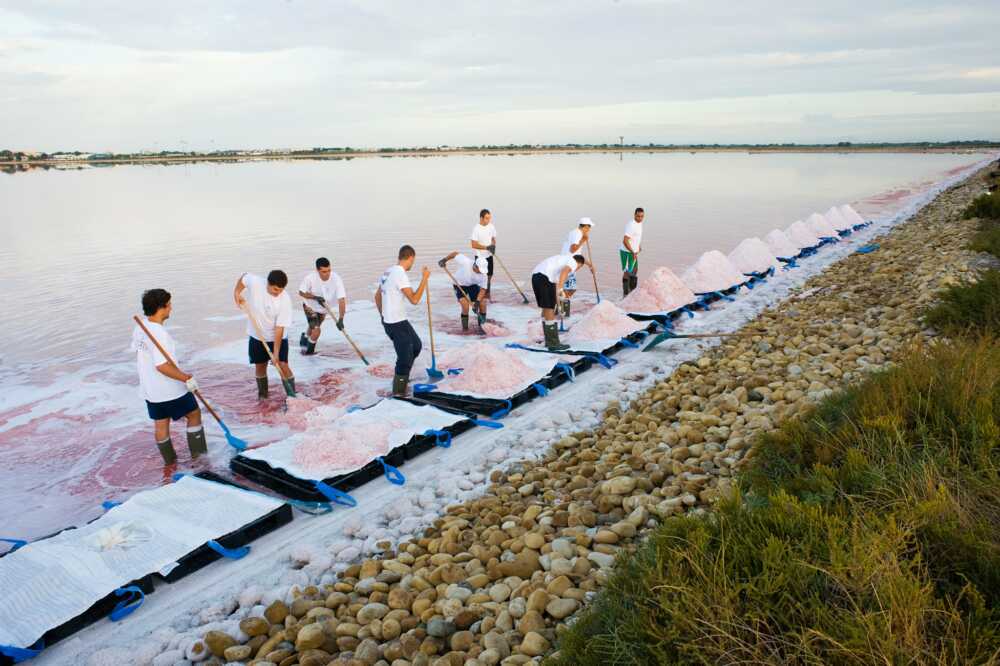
(801,236)
(604,322)
(851,215)
(343,446)
(662,291)
(712,272)
(837,220)
(486,370)
(495,330)
(753,255)
(820,226)
(780,244)
(297,411)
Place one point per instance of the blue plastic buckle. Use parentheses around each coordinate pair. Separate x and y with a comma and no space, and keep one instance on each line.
(354,408)
(503,411)
(22,654)
(568,369)
(126,607)
(334,495)
(455,371)
(423,388)
(542,391)
(229,553)
(442,438)
(107,505)
(393,474)
(486,423)
(177,476)
(17,543)
(605,361)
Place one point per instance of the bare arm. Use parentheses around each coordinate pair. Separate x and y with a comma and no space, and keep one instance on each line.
(628,244)
(563,276)
(476,245)
(279,335)
(238,291)
(342,307)
(172,371)
(415,296)
(378,300)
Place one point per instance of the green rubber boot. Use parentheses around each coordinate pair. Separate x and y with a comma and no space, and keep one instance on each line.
(399,383)
(465,322)
(166,448)
(197,444)
(552,337)
(261,387)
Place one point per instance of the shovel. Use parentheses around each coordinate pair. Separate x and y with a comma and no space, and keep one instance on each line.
(327,308)
(432,371)
(593,274)
(507,273)
(233,440)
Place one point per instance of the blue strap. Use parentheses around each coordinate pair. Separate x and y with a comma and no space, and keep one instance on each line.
(353,408)
(542,391)
(22,654)
(455,371)
(394,475)
(515,345)
(231,553)
(687,309)
(442,438)
(423,388)
(496,425)
(503,411)
(334,495)
(724,297)
(107,505)
(18,543)
(604,360)
(628,343)
(568,369)
(126,607)
(642,334)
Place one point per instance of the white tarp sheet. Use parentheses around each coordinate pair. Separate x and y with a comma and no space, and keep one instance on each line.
(48,583)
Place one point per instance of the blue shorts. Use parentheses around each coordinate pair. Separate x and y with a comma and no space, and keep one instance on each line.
(472,290)
(174,410)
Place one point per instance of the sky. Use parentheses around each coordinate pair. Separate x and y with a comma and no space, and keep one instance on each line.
(126,75)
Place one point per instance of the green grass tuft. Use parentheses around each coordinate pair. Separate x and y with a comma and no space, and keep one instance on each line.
(969,307)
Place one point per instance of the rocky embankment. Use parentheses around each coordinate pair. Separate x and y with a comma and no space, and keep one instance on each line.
(495,579)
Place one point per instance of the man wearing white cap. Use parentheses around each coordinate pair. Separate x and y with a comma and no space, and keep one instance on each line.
(573,244)
(471,276)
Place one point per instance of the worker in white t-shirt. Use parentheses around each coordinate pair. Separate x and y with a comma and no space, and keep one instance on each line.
(272,309)
(575,240)
(167,390)
(484,243)
(629,252)
(471,276)
(320,288)
(394,291)
(546,281)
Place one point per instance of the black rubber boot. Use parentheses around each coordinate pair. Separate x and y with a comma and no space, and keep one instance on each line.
(310,348)
(566,307)
(167,451)
(399,383)
(465,322)
(196,443)
(291,383)
(626,285)
(261,387)
(303,340)
(633,282)
(551,331)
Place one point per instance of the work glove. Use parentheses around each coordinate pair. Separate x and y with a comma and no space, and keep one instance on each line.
(340,324)
(442,262)
(192,384)
(492,249)
(320,300)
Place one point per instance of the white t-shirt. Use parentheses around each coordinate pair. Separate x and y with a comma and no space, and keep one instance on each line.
(332,290)
(464,274)
(269,311)
(483,236)
(552,267)
(572,239)
(155,386)
(392,284)
(634,232)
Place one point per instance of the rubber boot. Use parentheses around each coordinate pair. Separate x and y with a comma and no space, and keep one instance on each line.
(310,348)
(166,448)
(566,307)
(399,383)
(196,442)
(633,282)
(465,322)
(551,331)
(303,340)
(626,285)
(291,384)
(261,387)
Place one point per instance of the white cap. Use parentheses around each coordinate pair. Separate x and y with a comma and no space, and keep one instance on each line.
(585,220)
(482,265)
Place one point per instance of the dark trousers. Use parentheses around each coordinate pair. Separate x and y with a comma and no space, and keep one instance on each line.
(406,343)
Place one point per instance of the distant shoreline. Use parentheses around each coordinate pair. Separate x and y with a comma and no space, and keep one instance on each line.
(174,159)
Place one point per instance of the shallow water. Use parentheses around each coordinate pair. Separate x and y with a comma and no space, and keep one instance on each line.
(82,245)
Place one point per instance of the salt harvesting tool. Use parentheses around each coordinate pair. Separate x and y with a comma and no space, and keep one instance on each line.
(480,319)
(432,371)
(327,308)
(593,274)
(507,273)
(233,440)
(253,320)
(667,335)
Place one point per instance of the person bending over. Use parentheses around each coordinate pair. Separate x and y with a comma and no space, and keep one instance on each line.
(471,276)
(546,281)
(575,240)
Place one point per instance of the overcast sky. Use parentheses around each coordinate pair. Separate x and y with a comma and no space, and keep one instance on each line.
(138,74)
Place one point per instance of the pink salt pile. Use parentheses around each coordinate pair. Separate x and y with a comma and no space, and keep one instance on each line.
(486,370)
(495,330)
(780,245)
(382,370)
(836,220)
(712,272)
(753,255)
(662,291)
(851,215)
(297,411)
(604,322)
(800,234)
(342,447)
(819,225)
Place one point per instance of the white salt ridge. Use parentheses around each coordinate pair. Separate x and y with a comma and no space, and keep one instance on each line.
(712,272)
(780,244)
(836,220)
(753,255)
(800,234)
(851,215)
(662,291)
(819,225)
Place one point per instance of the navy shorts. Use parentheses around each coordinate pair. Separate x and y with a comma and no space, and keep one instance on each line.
(472,290)
(259,355)
(174,409)
(545,291)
